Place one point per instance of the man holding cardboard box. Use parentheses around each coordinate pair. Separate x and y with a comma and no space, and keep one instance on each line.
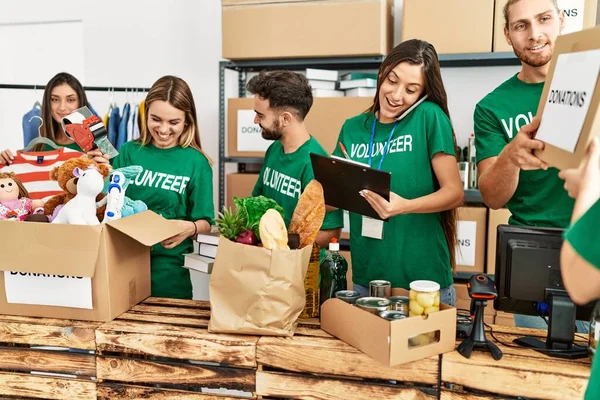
(282,99)
(509,172)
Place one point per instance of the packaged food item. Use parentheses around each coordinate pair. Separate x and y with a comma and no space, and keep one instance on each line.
(374,305)
(424,298)
(380,288)
(349,296)
(400,303)
(311,284)
(392,315)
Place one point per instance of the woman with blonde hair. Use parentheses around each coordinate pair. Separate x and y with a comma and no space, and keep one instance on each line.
(176,181)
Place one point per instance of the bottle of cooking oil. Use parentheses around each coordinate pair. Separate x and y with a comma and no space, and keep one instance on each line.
(311,284)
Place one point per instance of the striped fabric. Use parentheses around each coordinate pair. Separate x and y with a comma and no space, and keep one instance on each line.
(33,169)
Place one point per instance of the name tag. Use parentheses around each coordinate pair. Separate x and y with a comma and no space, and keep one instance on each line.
(372,228)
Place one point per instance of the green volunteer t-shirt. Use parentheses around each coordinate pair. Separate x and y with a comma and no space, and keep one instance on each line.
(177,184)
(283,178)
(540,198)
(583,237)
(414,246)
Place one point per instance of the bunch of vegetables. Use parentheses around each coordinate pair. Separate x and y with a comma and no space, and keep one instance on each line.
(243,225)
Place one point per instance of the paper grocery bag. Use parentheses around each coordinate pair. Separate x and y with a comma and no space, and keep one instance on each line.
(258,291)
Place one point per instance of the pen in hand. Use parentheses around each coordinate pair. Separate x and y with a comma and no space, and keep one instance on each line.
(343,150)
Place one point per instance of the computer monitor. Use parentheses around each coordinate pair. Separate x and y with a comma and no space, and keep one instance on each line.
(529,281)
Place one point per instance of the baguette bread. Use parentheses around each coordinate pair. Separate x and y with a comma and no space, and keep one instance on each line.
(309,214)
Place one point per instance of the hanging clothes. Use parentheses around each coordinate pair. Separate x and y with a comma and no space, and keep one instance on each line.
(33,169)
(136,127)
(114,120)
(122,134)
(130,123)
(142,114)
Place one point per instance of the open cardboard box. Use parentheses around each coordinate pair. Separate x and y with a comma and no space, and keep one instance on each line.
(387,341)
(81,272)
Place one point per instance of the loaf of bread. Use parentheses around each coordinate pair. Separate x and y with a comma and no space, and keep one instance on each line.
(272,230)
(309,214)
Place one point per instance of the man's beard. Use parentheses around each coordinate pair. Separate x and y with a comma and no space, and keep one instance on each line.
(536,61)
(273,133)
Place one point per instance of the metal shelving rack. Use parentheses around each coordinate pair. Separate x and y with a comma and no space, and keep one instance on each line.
(340,63)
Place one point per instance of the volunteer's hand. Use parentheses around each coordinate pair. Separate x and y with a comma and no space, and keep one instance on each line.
(6,157)
(187,230)
(520,149)
(97,156)
(385,209)
(585,179)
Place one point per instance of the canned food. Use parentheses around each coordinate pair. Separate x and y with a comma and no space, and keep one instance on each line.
(380,289)
(400,303)
(392,315)
(374,305)
(349,296)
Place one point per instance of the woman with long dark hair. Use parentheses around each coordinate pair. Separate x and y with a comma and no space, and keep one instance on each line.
(418,146)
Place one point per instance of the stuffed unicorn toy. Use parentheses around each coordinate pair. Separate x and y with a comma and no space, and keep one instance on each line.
(81,210)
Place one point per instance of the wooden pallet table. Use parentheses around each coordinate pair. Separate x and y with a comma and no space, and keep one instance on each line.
(520,372)
(161,349)
(43,358)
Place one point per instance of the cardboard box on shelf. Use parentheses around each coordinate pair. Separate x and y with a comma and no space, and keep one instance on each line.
(267,29)
(579,14)
(504,318)
(324,122)
(471,227)
(239,185)
(472,35)
(80,272)
(496,217)
(388,341)
(463,301)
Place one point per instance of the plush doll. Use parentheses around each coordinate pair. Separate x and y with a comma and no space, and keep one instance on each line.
(128,206)
(15,203)
(81,209)
(63,174)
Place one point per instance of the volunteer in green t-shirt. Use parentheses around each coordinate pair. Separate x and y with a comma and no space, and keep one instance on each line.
(418,240)
(282,99)
(509,174)
(580,254)
(176,181)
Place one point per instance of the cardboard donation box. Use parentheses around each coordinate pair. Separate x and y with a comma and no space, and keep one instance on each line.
(571,99)
(80,272)
(389,342)
(255,29)
(471,230)
(257,291)
(239,185)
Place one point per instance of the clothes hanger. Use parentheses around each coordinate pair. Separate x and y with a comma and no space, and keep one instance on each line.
(40,139)
(37,103)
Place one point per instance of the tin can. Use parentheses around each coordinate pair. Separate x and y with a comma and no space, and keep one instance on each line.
(380,289)
(400,303)
(392,315)
(349,296)
(374,305)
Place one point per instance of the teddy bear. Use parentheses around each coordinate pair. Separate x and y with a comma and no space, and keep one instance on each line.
(63,174)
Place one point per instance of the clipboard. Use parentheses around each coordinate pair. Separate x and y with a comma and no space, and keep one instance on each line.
(342,180)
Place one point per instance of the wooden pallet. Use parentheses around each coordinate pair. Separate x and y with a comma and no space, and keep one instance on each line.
(30,369)
(162,349)
(318,367)
(520,372)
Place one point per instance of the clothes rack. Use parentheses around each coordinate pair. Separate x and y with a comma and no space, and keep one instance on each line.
(87,88)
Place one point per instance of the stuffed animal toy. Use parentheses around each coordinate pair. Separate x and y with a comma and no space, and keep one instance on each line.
(81,209)
(127,206)
(15,203)
(63,174)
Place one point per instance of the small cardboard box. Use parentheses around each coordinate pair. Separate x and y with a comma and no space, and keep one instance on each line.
(576,19)
(387,341)
(80,272)
(496,217)
(463,301)
(285,29)
(432,20)
(239,185)
(504,319)
(571,99)
(324,121)
(471,227)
